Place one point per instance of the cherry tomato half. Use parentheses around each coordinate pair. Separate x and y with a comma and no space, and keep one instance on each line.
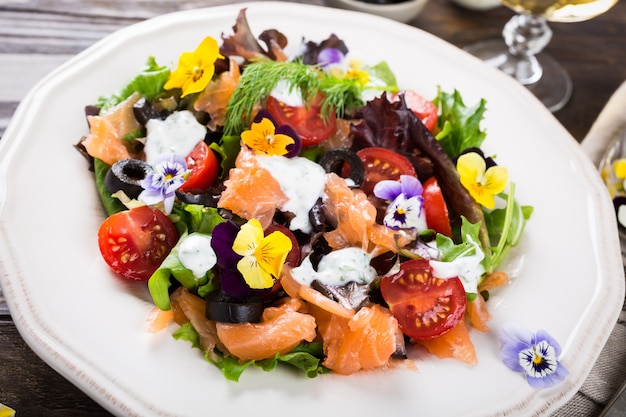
(425,306)
(421,107)
(382,164)
(204,166)
(435,207)
(135,242)
(308,121)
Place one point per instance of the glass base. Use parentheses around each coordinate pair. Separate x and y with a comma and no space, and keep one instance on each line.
(553,85)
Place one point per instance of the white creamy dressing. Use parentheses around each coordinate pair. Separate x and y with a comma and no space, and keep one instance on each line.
(291,98)
(468,268)
(337,268)
(196,254)
(302,181)
(178,134)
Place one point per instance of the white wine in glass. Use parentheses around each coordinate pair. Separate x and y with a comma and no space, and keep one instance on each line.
(525,37)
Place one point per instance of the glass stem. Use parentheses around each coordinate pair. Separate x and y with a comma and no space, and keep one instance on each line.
(525,35)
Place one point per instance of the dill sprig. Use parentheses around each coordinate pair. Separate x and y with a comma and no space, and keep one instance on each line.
(341,94)
(256,83)
(260,77)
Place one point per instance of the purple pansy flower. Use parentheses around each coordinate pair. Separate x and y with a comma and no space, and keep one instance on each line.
(329,56)
(533,354)
(167,175)
(406,202)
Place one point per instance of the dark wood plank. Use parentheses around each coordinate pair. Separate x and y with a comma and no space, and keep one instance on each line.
(31,387)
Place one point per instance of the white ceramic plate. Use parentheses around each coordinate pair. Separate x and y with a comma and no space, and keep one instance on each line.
(89,325)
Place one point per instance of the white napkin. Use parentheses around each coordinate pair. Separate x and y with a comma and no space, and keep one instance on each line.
(610,122)
(609,371)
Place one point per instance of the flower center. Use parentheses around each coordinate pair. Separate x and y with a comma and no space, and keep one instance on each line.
(197,73)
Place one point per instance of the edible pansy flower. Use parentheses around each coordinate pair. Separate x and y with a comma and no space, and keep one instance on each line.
(406,202)
(265,137)
(262,256)
(195,69)
(329,56)
(168,173)
(534,354)
(482,182)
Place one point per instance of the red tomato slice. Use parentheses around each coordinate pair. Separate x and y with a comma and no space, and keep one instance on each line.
(425,306)
(135,242)
(435,207)
(308,121)
(421,107)
(383,164)
(204,167)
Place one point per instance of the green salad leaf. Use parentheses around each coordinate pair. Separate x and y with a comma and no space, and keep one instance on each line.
(148,82)
(459,125)
(306,357)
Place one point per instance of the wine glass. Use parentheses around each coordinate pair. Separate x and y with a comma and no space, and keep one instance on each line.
(525,36)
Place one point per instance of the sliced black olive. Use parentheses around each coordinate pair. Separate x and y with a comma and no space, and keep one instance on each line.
(126,175)
(207,198)
(319,219)
(144,111)
(227,310)
(351,295)
(334,161)
(319,249)
(384,262)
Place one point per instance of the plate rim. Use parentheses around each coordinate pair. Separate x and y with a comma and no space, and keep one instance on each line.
(33,329)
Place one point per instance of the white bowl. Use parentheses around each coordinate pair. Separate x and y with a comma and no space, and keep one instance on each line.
(478,4)
(404,11)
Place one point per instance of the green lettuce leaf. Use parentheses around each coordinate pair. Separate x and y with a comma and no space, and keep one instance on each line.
(148,82)
(306,357)
(458,125)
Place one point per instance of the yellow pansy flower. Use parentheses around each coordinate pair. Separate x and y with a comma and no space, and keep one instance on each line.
(263,256)
(482,183)
(195,69)
(262,137)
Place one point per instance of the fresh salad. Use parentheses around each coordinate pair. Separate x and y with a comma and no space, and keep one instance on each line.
(301,209)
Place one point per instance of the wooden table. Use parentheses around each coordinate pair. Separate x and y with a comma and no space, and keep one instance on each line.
(38,35)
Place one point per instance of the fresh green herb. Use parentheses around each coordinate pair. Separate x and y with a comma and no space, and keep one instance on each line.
(259,79)
(458,125)
(256,83)
(506,225)
(148,82)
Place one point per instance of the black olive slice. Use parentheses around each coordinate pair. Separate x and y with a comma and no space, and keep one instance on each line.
(333,161)
(126,175)
(207,199)
(227,310)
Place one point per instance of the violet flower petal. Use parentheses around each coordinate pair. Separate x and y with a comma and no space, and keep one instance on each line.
(295,148)
(543,335)
(222,239)
(411,186)
(264,114)
(388,189)
(329,56)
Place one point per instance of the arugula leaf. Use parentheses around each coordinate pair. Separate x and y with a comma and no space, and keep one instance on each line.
(148,82)
(458,125)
